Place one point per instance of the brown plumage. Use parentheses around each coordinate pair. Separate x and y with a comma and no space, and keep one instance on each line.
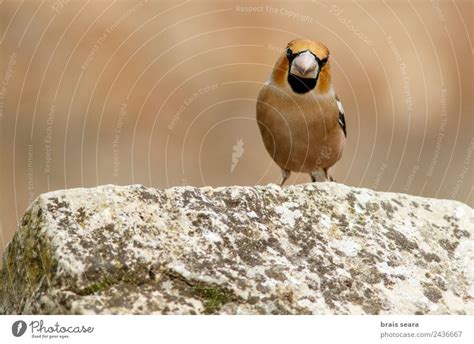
(298,113)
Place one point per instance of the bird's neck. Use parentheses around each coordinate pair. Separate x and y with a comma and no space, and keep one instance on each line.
(324,84)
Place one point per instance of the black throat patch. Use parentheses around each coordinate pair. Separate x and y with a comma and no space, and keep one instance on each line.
(301,85)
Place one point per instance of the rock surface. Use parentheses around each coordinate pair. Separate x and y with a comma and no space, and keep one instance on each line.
(321,248)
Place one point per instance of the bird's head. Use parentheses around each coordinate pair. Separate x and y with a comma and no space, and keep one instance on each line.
(303,64)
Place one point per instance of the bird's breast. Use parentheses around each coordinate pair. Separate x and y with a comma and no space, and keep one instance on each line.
(301,132)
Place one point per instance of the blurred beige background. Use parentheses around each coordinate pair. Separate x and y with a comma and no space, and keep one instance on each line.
(162,93)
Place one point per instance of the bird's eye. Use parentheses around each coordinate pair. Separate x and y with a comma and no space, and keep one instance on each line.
(289,53)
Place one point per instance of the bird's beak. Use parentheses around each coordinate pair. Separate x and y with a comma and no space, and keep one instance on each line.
(305,66)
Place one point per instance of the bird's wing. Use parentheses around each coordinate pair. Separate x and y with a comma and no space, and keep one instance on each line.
(342,119)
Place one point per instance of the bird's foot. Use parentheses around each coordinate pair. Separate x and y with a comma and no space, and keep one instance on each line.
(321,175)
(318,176)
(285,174)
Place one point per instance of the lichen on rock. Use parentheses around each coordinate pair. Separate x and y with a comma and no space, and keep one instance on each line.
(320,248)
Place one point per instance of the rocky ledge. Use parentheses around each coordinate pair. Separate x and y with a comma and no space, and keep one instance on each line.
(321,248)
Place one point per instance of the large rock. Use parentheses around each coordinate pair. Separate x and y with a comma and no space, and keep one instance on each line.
(321,248)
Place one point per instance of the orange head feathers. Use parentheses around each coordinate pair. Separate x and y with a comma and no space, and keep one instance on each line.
(304,66)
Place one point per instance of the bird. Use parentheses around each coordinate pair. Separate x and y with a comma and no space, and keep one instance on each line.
(300,118)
